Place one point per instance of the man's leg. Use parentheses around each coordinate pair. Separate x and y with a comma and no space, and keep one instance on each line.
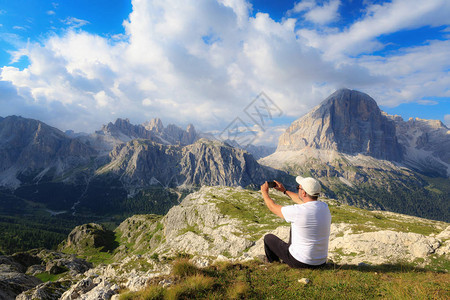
(275,248)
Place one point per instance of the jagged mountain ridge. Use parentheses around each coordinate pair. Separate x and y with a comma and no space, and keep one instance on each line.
(425,145)
(140,163)
(122,131)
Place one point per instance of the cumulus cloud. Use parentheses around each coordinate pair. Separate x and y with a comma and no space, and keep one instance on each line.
(447,120)
(203,62)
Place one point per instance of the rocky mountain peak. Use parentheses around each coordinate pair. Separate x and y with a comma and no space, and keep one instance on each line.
(347,121)
(154,125)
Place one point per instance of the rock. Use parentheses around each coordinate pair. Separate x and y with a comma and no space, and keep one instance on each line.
(196,227)
(444,234)
(165,282)
(258,249)
(304,281)
(12,283)
(89,235)
(27,259)
(103,291)
(48,291)
(55,267)
(78,289)
(35,269)
(87,289)
(381,247)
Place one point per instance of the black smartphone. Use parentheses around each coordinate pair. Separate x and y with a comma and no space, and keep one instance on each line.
(272,184)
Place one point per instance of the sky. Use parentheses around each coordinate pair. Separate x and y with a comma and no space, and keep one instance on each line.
(251,65)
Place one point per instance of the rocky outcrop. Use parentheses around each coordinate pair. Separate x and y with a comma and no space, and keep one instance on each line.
(47,290)
(88,289)
(347,121)
(89,236)
(13,281)
(17,274)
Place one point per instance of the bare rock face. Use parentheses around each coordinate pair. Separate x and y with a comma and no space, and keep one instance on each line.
(122,131)
(48,290)
(347,121)
(28,147)
(425,144)
(143,163)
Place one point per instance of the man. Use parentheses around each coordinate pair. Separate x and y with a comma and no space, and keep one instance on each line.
(310,226)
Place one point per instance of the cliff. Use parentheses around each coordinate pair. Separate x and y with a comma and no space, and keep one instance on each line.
(347,121)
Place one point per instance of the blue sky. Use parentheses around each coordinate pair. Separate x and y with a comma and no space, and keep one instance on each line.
(80,64)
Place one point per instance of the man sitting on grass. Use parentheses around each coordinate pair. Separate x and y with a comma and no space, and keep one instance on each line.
(310,226)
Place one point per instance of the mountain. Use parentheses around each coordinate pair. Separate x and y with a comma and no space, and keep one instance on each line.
(141,163)
(256,151)
(222,228)
(30,149)
(366,158)
(349,122)
(53,178)
(122,131)
(425,145)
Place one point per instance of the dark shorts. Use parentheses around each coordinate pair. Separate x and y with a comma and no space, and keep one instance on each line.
(277,249)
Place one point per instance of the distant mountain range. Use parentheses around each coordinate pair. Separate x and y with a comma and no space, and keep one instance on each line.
(361,155)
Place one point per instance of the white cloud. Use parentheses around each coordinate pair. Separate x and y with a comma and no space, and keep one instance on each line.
(318,14)
(74,22)
(51,12)
(324,14)
(203,62)
(382,19)
(447,120)
(427,102)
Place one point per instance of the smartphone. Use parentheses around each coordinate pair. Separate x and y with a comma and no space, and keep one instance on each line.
(272,184)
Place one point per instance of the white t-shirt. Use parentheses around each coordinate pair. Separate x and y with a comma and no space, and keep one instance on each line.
(310,225)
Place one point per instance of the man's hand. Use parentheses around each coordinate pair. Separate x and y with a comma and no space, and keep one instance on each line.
(273,207)
(280,187)
(265,188)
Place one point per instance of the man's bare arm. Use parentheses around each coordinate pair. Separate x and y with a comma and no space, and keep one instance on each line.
(294,196)
(273,207)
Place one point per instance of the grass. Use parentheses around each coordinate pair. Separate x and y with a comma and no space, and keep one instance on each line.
(367,221)
(253,280)
(46,276)
(248,207)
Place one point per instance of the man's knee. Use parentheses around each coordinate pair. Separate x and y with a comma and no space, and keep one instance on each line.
(268,238)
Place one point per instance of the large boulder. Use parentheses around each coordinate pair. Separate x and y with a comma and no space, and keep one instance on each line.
(90,235)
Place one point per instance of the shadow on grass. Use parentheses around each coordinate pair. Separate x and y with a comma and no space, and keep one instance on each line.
(384,268)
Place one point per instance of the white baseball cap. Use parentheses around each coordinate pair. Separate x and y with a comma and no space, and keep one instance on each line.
(310,185)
